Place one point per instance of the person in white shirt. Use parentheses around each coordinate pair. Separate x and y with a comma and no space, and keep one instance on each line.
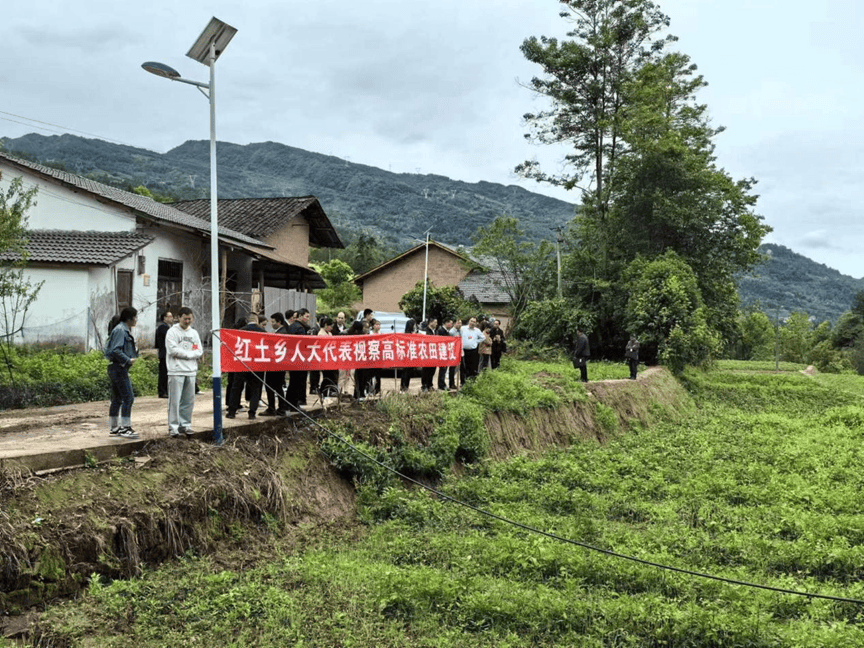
(471,339)
(182,351)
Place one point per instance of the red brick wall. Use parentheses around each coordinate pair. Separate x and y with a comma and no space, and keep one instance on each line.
(383,290)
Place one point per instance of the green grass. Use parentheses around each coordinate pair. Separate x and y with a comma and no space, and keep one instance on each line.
(760,483)
(758,365)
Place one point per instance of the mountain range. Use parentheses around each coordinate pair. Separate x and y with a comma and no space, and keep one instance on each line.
(398,208)
(395,207)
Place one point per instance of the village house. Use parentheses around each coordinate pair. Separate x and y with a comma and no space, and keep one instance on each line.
(98,249)
(382,287)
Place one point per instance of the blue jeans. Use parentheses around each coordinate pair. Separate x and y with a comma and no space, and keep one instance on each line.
(122,396)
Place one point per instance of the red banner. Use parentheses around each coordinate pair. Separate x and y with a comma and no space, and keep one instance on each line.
(252,351)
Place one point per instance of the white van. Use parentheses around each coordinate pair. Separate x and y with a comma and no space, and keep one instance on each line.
(390,322)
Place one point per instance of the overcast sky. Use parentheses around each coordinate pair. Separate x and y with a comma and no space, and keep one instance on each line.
(433,87)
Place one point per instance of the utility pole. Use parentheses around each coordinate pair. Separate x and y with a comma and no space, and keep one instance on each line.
(559,239)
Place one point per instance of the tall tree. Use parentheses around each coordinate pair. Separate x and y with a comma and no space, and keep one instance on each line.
(670,195)
(525,268)
(585,78)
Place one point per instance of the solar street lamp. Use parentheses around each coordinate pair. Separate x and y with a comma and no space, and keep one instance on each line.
(206,49)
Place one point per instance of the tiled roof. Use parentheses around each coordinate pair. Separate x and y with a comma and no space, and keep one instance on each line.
(359,280)
(487,287)
(89,248)
(147,207)
(261,217)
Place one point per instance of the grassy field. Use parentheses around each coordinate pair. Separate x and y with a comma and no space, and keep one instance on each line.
(761,483)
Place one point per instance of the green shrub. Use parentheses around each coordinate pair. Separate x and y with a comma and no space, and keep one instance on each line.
(463,419)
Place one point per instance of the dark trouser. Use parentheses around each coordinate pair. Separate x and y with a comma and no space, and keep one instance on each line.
(462,370)
(442,378)
(162,383)
(427,378)
(275,381)
(472,361)
(496,359)
(251,383)
(122,395)
(405,378)
(330,382)
(314,381)
(634,366)
(361,378)
(582,363)
(296,388)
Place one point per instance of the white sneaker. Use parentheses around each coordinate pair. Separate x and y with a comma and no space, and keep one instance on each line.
(128,433)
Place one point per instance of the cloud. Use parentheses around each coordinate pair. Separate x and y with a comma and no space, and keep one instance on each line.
(819,239)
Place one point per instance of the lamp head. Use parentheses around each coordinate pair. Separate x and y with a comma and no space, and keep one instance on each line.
(160,69)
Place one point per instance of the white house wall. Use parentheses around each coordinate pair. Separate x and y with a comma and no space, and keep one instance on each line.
(60,207)
(76,302)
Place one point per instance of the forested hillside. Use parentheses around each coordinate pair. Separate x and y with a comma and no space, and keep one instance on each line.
(393,206)
(789,282)
(397,206)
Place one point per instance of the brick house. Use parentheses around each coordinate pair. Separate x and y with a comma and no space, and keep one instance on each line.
(383,286)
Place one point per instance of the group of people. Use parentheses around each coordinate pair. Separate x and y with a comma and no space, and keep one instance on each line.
(179,347)
(483,344)
(583,353)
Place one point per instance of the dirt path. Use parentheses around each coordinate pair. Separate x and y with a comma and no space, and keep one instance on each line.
(61,437)
(57,437)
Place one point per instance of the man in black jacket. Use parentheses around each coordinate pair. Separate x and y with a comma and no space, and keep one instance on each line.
(249,379)
(297,379)
(583,352)
(161,330)
(499,344)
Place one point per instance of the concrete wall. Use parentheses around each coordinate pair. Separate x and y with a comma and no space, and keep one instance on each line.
(383,290)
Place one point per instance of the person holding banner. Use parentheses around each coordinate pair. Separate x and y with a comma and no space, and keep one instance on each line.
(427,374)
(274,381)
(405,379)
(471,339)
(297,379)
(361,375)
(251,379)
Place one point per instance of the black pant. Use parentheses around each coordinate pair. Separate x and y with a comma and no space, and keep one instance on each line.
(405,379)
(427,378)
(472,362)
(251,382)
(275,382)
(330,382)
(442,378)
(634,365)
(361,382)
(296,388)
(162,384)
(581,362)
(496,359)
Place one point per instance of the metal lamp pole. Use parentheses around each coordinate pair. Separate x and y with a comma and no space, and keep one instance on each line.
(210,44)
(426,275)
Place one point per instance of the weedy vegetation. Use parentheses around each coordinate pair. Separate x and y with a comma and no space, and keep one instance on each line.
(756,478)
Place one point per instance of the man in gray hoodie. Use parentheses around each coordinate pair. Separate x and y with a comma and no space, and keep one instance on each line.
(182,351)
